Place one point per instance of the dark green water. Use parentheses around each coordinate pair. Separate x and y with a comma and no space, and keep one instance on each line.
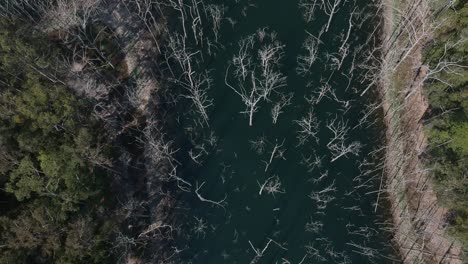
(233,169)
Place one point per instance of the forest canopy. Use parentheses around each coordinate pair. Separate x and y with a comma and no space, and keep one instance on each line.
(448,120)
(52,158)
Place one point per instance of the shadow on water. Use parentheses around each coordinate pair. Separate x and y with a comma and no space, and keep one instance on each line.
(347,230)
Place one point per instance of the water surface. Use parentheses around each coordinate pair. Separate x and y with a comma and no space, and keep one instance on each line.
(301,230)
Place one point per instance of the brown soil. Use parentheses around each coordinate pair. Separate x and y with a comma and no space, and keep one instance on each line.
(418,218)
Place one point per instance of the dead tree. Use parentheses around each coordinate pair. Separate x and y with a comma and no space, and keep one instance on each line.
(162,229)
(278,107)
(364,250)
(272,186)
(197,153)
(277,152)
(314,253)
(322,176)
(182,184)
(67,14)
(200,227)
(216,13)
(308,9)
(312,162)
(340,149)
(368,110)
(220,203)
(308,128)
(343,51)
(255,84)
(323,197)
(444,66)
(124,244)
(32,10)
(317,96)
(259,144)
(337,144)
(146,14)
(306,60)
(160,154)
(198,20)
(250,98)
(330,7)
(314,227)
(260,252)
(415,31)
(179,6)
(339,128)
(157,149)
(197,84)
(346,104)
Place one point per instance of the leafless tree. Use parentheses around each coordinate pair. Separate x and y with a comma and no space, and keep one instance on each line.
(272,186)
(312,162)
(314,253)
(363,250)
(197,153)
(145,11)
(212,139)
(308,128)
(216,12)
(317,96)
(200,227)
(256,85)
(179,6)
(260,252)
(159,151)
(242,60)
(277,152)
(314,227)
(308,9)
(307,59)
(415,31)
(345,104)
(196,16)
(444,66)
(81,14)
(162,229)
(368,110)
(337,144)
(278,107)
(330,7)
(322,176)
(323,197)
(220,203)
(29,9)
(259,144)
(343,51)
(339,128)
(124,244)
(197,84)
(182,184)
(340,149)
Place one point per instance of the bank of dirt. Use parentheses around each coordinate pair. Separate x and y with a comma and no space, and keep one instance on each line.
(419,220)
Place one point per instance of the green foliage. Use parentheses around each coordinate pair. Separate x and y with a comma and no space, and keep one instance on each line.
(448,129)
(50,145)
(460,229)
(459,143)
(25,179)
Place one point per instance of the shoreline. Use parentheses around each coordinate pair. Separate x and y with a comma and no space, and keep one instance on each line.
(419,222)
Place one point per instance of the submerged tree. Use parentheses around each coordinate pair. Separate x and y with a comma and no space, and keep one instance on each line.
(257,76)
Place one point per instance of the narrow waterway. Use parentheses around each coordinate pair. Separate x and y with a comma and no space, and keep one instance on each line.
(322,209)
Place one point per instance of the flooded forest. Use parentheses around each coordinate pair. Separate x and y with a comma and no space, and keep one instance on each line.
(208,131)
